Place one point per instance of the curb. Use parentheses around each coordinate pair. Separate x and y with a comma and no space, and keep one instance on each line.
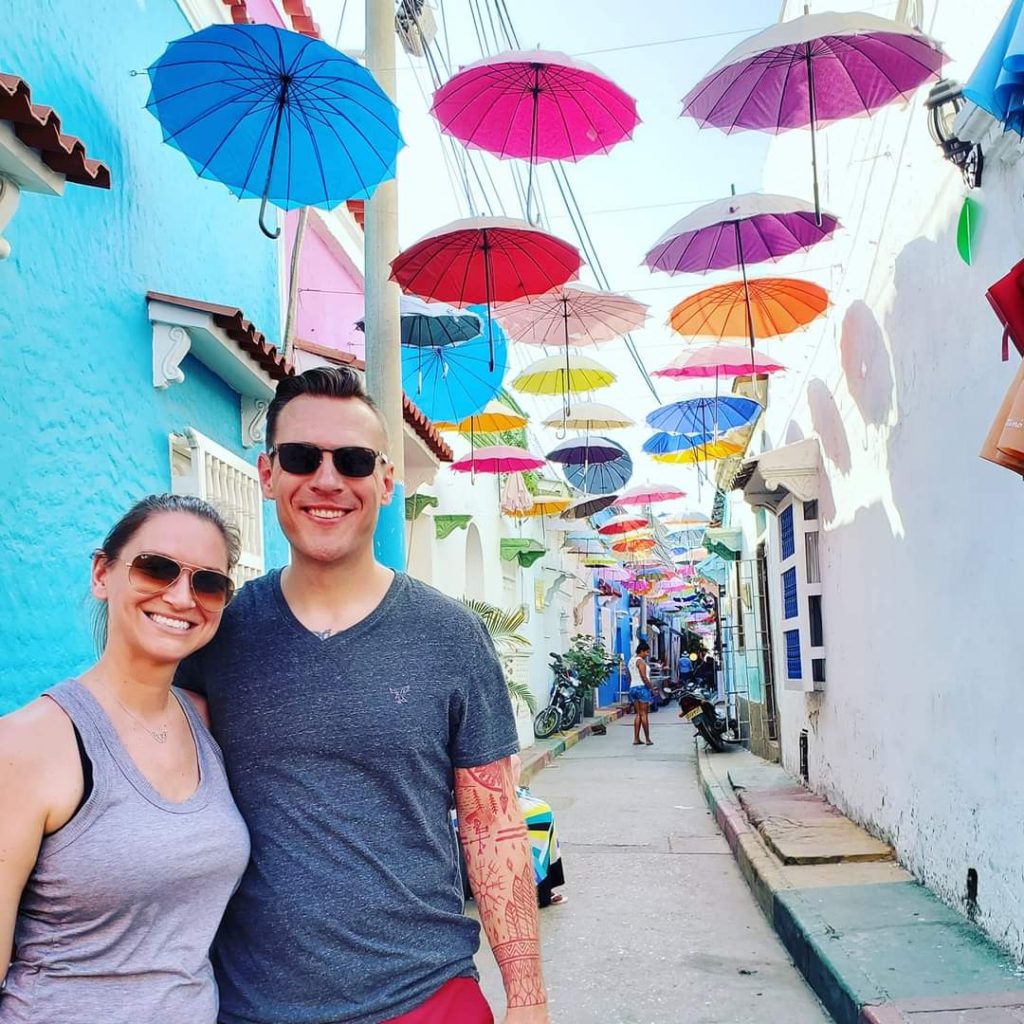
(538,757)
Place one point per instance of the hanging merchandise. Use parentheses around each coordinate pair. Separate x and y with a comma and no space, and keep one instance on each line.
(485,260)
(1006,297)
(1004,443)
(275,116)
(515,497)
(811,71)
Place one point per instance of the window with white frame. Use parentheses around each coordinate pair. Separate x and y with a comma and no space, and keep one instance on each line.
(205,469)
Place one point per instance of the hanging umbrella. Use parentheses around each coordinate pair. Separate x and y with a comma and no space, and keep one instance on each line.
(812,71)
(698,453)
(585,451)
(555,376)
(275,115)
(604,478)
(499,458)
(650,494)
(705,417)
(433,324)
(633,545)
(535,105)
(719,361)
(455,381)
(638,587)
(777,306)
(587,505)
(515,497)
(613,574)
(599,562)
(627,522)
(485,260)
(543,505)
(494,418)
(691,517)
(588,416)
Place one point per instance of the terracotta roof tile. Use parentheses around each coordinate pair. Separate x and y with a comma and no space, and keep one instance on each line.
(299,14)
(39,127)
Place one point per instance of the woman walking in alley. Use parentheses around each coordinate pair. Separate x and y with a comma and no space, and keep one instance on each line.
(640,693)
(121,843)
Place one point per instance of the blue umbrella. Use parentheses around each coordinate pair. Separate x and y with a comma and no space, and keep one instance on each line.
(585,451)
(433,324)
(705,417)
(664,443)
(452,382)
(275,115)
(607,477)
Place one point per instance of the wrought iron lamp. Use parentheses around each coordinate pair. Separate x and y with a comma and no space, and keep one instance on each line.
(945,101)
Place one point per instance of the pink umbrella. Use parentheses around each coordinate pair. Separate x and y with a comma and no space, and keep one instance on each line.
(635,586)
(648,494)
(535,105)
(499,458)
(719,360)
(515,498)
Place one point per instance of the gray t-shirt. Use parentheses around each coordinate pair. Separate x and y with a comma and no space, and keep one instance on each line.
(341,756)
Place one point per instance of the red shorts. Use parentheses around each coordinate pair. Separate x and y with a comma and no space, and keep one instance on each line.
(459,1000)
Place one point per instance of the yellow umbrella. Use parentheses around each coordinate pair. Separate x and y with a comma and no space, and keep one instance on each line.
(543,505)
(720,449)
(492,419)
(563,375)
(589,416)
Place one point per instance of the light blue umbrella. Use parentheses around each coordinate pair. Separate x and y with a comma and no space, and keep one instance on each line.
(705,417)
(607,477)
(275,116)
(997,83)
(452,382)
(433,324)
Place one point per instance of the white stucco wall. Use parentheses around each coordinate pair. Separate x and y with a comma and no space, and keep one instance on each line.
(916,733)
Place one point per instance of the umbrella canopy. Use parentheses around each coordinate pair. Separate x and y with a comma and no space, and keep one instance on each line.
(996,84)
(552,376)
(635,586)
(613,574)
(494,418)
(627,522)
(574,314)
(633,545)
(705,417)
(515,497)
(535,105)
(433,324)
(649,494)
(584,451)
(485,260)
(589,416)
(604,478)
(588,505)
(275,115)
(777,306)
(599,561)
(719,361)
(543,505)
(691,517)
(455,381)
(736,231)
(498,459)
(811,71)
(680,450)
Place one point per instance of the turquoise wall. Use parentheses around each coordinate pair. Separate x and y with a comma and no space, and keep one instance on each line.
(83,432)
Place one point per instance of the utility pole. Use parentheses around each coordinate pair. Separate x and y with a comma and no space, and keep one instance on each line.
(383,325)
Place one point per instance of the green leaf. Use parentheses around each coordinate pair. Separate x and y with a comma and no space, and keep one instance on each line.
(966,229)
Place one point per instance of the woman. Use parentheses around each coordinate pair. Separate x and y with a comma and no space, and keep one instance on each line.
(121,844)
(640,693)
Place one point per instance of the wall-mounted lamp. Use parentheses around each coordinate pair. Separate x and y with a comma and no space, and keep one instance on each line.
(945,100)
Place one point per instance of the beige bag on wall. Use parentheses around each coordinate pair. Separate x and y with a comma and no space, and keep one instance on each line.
(1004,443)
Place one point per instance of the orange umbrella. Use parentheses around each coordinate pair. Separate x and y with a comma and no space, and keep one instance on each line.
(632,545)
(777,306)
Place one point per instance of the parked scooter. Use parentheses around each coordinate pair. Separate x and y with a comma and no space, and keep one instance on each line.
(563,704)
(704,717)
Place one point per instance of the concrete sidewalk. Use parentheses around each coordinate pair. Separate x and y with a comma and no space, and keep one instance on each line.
(876,946)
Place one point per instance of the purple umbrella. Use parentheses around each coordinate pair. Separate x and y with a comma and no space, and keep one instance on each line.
(812,71)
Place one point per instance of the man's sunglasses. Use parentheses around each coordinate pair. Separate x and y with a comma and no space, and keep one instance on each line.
(305,459)
(152,574)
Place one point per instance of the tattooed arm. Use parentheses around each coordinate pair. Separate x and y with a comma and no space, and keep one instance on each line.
(500,867)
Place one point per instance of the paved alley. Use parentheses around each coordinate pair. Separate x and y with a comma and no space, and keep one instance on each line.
(660,927)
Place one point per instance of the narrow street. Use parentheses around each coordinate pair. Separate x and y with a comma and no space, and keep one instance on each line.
(660,927)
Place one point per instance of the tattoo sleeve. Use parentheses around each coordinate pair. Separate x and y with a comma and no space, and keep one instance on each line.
(500,868)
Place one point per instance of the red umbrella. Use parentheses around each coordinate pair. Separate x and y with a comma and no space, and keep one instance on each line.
(485,260)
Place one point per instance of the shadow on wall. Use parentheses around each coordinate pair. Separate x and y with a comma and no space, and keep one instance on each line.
(866,363)
(793,433)
(827,423)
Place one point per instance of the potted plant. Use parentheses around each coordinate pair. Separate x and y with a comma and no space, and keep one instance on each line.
(503,628)
(591,665)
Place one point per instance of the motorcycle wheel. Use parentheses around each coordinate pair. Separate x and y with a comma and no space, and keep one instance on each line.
(570,713)
(713,740)
(546,722)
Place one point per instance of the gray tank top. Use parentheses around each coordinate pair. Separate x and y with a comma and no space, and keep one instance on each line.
(116,920)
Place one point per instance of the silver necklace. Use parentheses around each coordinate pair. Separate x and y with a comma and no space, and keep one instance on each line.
(160,735)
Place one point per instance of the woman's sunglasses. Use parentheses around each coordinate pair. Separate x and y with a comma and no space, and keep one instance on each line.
(304,459)
(153,574)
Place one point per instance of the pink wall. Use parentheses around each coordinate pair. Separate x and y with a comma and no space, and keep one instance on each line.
(263,12)
(330,289)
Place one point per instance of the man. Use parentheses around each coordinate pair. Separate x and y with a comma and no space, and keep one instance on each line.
(350,702)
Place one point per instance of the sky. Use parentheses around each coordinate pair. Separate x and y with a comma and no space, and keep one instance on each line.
(654,49)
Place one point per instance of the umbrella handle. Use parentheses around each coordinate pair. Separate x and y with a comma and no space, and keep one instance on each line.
(814,142)
(276,233)
(282,102)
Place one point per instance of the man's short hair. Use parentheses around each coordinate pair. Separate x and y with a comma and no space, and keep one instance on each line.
(321,382)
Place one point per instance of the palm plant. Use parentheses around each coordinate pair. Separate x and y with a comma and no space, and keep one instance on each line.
(503,628)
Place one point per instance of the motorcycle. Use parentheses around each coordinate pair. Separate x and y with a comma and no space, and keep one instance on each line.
(705,718)
(563,705)
(672,691)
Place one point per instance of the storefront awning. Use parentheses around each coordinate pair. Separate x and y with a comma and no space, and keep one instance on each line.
(724,541)
(793,469)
